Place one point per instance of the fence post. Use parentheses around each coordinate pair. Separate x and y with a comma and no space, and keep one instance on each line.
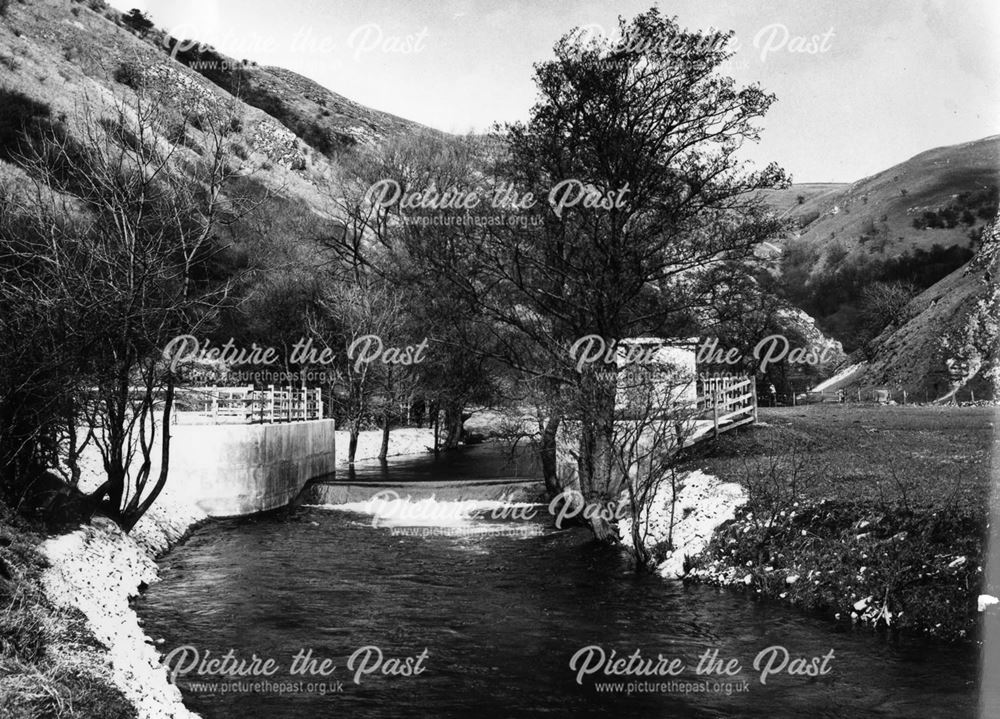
(715,413)
(270,403)
(753,390)
(215,404)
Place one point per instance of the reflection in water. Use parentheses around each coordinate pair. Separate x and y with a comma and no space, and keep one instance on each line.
(501,616)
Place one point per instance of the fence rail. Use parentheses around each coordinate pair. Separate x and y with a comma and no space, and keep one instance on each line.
(728,401)
(885,395)
(247,405)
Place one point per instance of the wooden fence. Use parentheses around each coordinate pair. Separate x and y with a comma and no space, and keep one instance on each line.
(245,405)
(886,395)
(728,401)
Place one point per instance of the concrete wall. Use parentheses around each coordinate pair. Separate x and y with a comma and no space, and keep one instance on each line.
(229,470)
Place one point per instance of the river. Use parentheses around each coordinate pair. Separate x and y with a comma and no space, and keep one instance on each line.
(488,618)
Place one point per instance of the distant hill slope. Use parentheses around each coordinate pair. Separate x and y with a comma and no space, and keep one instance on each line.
(913,223)
(950,344)
(876,215)
(797,200)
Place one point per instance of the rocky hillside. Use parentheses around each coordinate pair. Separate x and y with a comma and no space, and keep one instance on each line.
(949,348)
(912,224)
(57,56)
(941,197)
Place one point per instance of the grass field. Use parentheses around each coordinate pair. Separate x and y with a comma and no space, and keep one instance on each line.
(871,514)
(934,454)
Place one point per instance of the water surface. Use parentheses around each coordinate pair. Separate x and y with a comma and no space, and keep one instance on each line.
(500,616)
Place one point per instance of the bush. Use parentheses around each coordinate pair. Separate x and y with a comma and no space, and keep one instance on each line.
(72,53)
(177,134)
(19,116)
(130,74)
(10,62)
(138,21)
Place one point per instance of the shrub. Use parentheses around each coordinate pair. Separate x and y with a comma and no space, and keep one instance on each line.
(10,62)
(130,74)
(177,134)
(138,21)
(72,53)
(19,114)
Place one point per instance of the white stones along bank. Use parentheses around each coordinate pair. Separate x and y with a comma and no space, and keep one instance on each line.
(703,503)
(98,569)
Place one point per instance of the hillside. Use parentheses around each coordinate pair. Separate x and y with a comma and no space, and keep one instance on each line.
(949,347)
(877,215)
(66,55)
(911,224)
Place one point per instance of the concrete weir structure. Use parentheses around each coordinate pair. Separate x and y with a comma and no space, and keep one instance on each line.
(237,469)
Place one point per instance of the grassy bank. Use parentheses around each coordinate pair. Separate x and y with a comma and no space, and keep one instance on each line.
(51,665)
(869,514)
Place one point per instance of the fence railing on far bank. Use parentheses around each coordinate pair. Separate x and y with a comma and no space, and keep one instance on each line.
(728,402)
(247,405)
(885,395)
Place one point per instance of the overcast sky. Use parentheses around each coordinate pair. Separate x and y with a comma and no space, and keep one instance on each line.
(895,77)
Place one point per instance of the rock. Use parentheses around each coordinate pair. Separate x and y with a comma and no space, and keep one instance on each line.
(96,570)
(703,503)
(791,579)
(986,600)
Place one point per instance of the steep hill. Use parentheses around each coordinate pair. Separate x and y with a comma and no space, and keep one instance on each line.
(61,60)
(911,224)
(889,213)
(950,345)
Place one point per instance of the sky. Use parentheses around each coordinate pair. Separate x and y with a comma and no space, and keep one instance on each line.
(886,79)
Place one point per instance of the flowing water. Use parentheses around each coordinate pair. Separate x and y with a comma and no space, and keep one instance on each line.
(500,606)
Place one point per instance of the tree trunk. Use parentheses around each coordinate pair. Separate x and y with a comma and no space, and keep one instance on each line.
(437,430)
(130,518)
(453,425)
(352,442)
(384,450)
(547,454)
(599,480)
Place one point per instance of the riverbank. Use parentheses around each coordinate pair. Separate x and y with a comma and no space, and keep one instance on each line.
(873,515)
(402,441)
(97,570)
(72,645)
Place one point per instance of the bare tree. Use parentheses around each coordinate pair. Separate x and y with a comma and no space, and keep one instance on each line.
(656,419)
(126,230)
(354,319)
